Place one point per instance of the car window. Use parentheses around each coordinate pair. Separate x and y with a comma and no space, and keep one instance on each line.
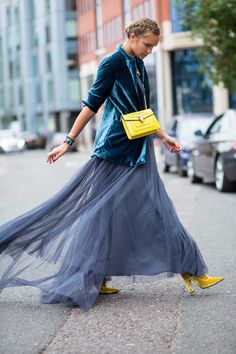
(221,125)
(216,126)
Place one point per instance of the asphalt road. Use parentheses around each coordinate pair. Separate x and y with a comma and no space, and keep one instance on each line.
(150,315)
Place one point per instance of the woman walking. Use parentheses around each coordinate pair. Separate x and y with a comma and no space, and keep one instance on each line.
(114,216)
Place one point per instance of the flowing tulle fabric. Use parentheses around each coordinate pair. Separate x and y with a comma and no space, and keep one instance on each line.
(107,220)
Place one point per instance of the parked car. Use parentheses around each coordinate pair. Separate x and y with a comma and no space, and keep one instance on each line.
(34,140)
(183,127)
(58,139)
(213,157)
(9,142)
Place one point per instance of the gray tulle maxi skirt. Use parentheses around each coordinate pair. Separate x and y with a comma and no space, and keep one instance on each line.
(108,220)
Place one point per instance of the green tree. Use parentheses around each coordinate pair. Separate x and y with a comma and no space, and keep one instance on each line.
(215,22)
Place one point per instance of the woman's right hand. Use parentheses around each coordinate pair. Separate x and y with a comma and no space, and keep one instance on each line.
(57,152)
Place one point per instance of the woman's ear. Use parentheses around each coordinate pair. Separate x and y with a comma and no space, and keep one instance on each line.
(132,36)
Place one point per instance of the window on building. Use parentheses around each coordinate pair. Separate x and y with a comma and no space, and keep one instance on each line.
(32,8)
(126,12)
(1,98)
(70,5)
(17,39)
(73,90)
(99,24)
(48,62)
(48,33)
(138,12)
(191,89)
(232,100)
(177,17)
(8,15)
(11,96)
(72,61)
(10,69)
(18,68)
(38,94)
(87,43)
(86,5)
(1,63)
(48,6)
(71,29)
(113,30)
(50,90)
(21,99)
(35,36)
(34,64)
(17,17)
(146,8)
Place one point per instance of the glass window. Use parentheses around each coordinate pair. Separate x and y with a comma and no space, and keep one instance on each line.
(1,98)
(232,100)
(147,8)
(35,36)
(191,89)
(1,63)
(48,5)
(21,99)
(8,12)
(176,17)
(18,71)
(70,5)
(126,11)
(48,62)
(34,65)
(17,18)
(31,4)
(10,69)
(38,92)
(73,90)
(216,127)
(11,96)
(71,29)
(72,61)
(50,90)
(48,33)
(17,39)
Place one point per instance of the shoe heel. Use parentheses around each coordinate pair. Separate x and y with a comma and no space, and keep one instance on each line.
(188,283)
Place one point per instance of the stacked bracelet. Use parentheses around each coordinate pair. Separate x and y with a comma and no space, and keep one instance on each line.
(68,140)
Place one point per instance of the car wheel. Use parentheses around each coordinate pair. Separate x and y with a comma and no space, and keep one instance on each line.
(221,182)
(191,173)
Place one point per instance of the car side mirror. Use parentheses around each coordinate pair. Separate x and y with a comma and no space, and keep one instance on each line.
(198,132)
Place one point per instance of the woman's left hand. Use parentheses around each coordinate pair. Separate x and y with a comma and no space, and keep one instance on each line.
(171,144)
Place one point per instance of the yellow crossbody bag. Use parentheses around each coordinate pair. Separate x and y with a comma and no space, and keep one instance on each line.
(139,124)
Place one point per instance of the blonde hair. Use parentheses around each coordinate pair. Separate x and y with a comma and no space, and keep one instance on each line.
(142,26)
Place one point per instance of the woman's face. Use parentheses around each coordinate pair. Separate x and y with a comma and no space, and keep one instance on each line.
(143,45)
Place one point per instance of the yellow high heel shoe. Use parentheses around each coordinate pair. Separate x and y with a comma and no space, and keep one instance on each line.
(107,290)
(187,282)
(206,281)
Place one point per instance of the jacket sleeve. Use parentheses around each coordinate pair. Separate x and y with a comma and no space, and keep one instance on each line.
(102,86)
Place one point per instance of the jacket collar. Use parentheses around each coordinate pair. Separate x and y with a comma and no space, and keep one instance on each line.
(132,66)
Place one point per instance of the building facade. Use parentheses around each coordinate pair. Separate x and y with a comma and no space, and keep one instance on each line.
(177,86)
(39,66)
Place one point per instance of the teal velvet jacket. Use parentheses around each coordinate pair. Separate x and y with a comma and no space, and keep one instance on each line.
(116,85)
